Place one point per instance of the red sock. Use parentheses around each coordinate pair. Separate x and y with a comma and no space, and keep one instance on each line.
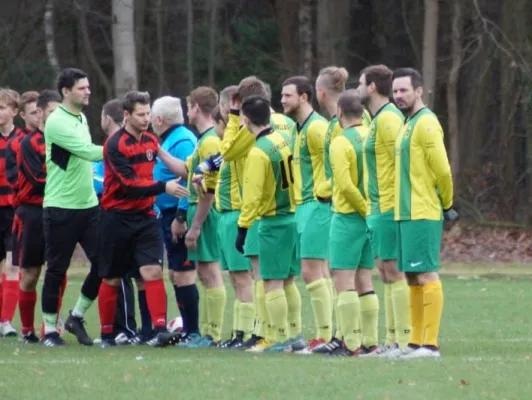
(62,290)
(26,307)
(156,297)
(107,296)
(1,291)
(10,296)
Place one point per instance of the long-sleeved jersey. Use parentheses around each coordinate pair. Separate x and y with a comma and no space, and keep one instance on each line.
(31,169)
(268,178)
(12,150)
(379,158)
(423,180)
(6,189)
(208,145)
(128,184)
(347,168)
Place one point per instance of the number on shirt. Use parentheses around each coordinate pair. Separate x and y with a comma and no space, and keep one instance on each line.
(287,175)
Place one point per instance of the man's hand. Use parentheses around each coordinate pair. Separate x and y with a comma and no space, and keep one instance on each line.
(241,239)
(173,188)
(451,214)
(179,229)
(191,238)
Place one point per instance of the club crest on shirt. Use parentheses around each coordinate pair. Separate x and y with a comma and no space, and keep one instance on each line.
(149,154)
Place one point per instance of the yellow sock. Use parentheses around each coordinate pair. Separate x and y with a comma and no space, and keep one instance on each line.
(246,318)
(416,315)
(400,296)
(433,307)
(320,300)
(293,299)
(215,298)
(277,308)
(389,315)
(330,286)
(236,316)
(369,318)
(348,309)
(262,315)
(202,311)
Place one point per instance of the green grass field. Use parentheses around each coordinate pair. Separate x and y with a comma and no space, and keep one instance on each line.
(486,346)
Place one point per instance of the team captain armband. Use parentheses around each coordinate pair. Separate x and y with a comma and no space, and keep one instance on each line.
(210,164)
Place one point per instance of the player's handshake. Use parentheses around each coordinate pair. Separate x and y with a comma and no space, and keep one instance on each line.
(173,188)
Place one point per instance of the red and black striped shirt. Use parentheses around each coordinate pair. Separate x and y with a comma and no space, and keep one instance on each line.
(128,184)
(12,151)
(31,169)
(6,192)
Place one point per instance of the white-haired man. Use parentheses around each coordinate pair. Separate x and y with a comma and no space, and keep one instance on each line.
(168,123)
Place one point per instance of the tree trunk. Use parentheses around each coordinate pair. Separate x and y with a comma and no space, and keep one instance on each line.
(306,37)
(124,49)
(190,44)
(140,7)
(160,45)
(288,17)
(213,30)
(430,51)
(49,36)
(332,31)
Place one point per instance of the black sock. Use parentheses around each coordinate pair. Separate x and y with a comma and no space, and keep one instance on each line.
(145,317)
(179,301)
(189,298)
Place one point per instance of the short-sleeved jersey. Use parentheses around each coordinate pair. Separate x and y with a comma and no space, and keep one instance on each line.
(128,184)
(208,145)
(308,153)
(347,169)
(31,169)
(423,180)
(267,179)
(366,118)
(379,158)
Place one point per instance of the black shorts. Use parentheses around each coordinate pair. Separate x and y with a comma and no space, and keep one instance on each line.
(28,237)
(127,242)
(6,227)
(176,252)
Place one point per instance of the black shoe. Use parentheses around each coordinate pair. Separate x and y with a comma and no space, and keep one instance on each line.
(225,344)
(237,342)
(251,342)
(329,348)
(345,352)
(108,341)
(76,326)
(53,340)
(163,339)
(30,338)
(135,340)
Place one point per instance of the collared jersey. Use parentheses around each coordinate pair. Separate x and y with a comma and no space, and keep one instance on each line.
(347,169)
(423,180)
(267,179)
(379,158)
(31,169)
(208,145)
(308,154)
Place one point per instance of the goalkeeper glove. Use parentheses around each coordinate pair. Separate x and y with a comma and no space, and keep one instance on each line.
(451,214)
(241,239)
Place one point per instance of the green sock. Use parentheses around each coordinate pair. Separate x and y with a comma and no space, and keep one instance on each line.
(293,299)
(203,321)
(260,306)
(369,318)
(215,301)
(400,294)
(389,315)
(277,308)
(348,309)
(236,316)
(82,305)
(246,318)
(321,306)
(49,322)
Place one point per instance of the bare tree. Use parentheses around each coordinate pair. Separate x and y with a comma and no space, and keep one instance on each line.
(332,31)
(305,36)
(288,16)
(49,37)
(430,50)
(158,10)
(190,44)
(211,64)
(124,46)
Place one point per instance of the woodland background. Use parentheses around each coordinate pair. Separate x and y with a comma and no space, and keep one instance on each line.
(475,55)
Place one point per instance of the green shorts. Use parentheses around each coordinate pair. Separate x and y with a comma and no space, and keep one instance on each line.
(207,247)
(419,244)
(251,247)
(313,220)
(349,243)
(277,242)
(230,258)
(383,234)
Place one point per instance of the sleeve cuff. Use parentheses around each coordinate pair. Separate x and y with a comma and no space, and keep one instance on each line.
(181,215)
(161,187)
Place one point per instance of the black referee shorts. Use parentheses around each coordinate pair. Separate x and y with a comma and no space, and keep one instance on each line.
(6,227)
(28,236)
(128,241)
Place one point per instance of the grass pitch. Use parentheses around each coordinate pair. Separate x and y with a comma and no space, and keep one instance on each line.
(486,347)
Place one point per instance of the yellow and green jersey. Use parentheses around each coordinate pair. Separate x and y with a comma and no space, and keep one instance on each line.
(267,179)
(423,180)
(208,145)
(347,169)
(308,151)
(366,118)
(379,158)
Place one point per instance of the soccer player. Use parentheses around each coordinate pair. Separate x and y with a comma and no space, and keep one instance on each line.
(179,141)
(71,212)
(266,194)
(423,192)
(350,249)
(129,236)
(28,234)
(9,281)
(379,180)
(202,218)
(312,215)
